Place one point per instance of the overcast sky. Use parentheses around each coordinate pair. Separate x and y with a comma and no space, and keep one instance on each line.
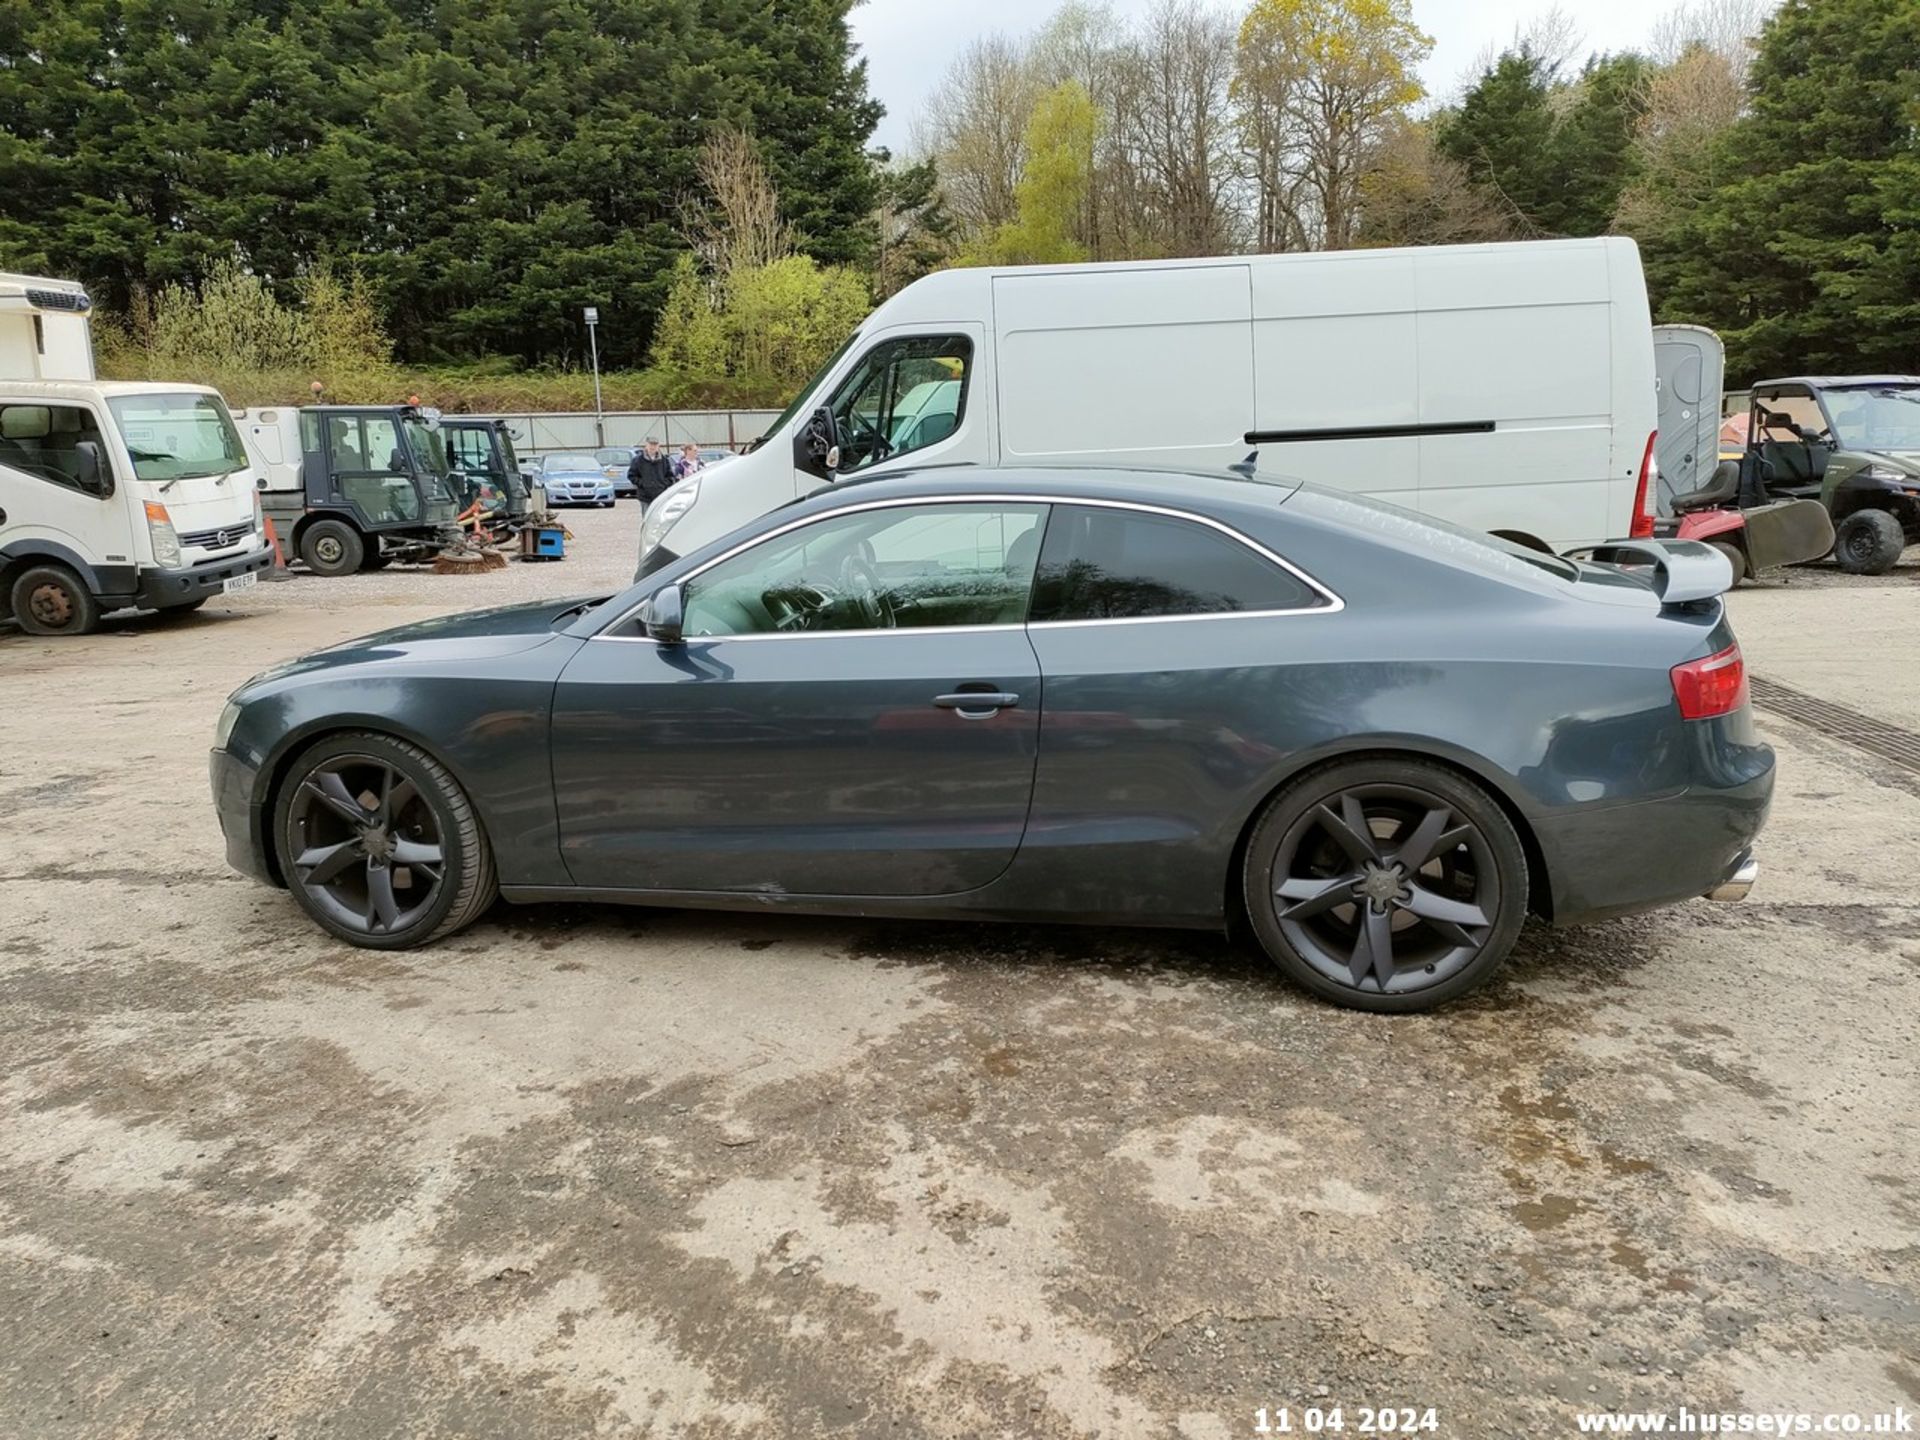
(909,43)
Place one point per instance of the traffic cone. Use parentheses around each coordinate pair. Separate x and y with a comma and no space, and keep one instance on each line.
(278,570)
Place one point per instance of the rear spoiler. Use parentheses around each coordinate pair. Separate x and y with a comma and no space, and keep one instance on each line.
(1683,570)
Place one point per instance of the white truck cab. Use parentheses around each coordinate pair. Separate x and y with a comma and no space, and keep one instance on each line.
(113,494)
(1509,387)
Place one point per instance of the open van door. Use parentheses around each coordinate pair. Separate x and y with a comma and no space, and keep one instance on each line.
(1689,365)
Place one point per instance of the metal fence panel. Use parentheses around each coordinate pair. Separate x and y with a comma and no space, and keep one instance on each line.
(547,432)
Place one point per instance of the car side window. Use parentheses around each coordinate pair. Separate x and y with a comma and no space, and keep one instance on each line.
(1102,564)
(904,395)
(44,441)
(897,568)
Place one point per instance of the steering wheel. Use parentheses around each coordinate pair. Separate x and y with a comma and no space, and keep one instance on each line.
(866,439)
(862,587)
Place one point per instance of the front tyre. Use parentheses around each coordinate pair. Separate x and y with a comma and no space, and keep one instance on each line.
(1868,542)
(380,845)
(52,600)
(332,547)
(1386,885)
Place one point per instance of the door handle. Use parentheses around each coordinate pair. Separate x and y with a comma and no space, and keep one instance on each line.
(977,704)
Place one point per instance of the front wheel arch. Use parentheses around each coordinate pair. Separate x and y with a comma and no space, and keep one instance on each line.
(1539,885)
(281,762)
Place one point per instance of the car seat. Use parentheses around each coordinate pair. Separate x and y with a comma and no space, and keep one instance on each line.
(1721,489)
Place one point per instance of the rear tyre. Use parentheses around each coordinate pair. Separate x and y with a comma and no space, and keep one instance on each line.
(1386,885)
(332,547)
(52,600)
(380,845)
(1868,542)
(1734,558)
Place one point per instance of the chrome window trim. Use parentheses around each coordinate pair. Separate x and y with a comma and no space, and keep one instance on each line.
(1333,603)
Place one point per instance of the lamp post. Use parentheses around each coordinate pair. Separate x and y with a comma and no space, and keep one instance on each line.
(593,344)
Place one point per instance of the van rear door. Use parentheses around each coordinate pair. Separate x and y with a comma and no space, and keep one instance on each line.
(1150,366)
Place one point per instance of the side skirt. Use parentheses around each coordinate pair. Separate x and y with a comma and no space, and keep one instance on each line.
(888,907)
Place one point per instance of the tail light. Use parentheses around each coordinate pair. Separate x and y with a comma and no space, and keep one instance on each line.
(1642,527)
(1714,686)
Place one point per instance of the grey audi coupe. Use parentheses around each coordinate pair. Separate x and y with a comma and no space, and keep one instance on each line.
(1123,697)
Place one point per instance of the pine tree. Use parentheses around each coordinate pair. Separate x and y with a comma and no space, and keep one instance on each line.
(1806,255)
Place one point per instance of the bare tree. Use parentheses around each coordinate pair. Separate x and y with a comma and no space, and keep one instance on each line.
(1319,85)
(1726,27)
(1178,132)
(1689,104)
(737,226)
(972,127)
(1413,194)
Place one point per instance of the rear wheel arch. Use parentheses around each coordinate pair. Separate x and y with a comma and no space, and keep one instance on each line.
(1539,885)
(1521,537)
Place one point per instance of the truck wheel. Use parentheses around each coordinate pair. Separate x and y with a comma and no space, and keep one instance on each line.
(332,547)
(1734,558)
(51,600)
(1868,542)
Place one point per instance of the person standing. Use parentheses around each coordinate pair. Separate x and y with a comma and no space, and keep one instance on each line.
(687,461)
(651,472)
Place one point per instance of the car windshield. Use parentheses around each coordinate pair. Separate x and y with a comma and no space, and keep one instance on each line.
(1885,417)
(571,462)
(178,437)
(611,457)
(806,394)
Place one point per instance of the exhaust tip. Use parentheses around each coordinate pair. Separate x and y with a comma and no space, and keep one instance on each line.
(1739,883)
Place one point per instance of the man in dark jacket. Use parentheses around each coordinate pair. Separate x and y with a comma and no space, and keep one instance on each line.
(651,471)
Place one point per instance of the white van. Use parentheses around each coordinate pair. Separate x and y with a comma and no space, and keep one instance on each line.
(112,494)
(1505,387)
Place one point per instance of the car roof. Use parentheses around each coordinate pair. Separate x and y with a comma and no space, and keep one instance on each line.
(1837,382)
(1143,484)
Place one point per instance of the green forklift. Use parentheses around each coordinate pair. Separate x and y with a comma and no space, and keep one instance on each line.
(1852,443)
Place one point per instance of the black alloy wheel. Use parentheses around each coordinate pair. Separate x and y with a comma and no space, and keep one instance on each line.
(1392,885)
(380,845)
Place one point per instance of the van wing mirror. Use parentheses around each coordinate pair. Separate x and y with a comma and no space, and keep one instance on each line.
(664,614)
(816,445)
(88,474)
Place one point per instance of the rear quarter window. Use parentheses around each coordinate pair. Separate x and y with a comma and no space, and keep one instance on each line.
(1105,564)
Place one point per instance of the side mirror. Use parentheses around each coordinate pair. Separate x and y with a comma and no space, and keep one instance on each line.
(87,471)
(816,445)
(664,613)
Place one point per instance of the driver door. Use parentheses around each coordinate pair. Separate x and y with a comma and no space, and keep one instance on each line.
(855,711)
(920,392)
(368,465)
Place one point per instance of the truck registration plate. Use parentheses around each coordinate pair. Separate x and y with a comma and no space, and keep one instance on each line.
(240,582)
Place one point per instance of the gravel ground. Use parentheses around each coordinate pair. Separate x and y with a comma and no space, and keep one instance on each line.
(603,550)
(588,1171)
